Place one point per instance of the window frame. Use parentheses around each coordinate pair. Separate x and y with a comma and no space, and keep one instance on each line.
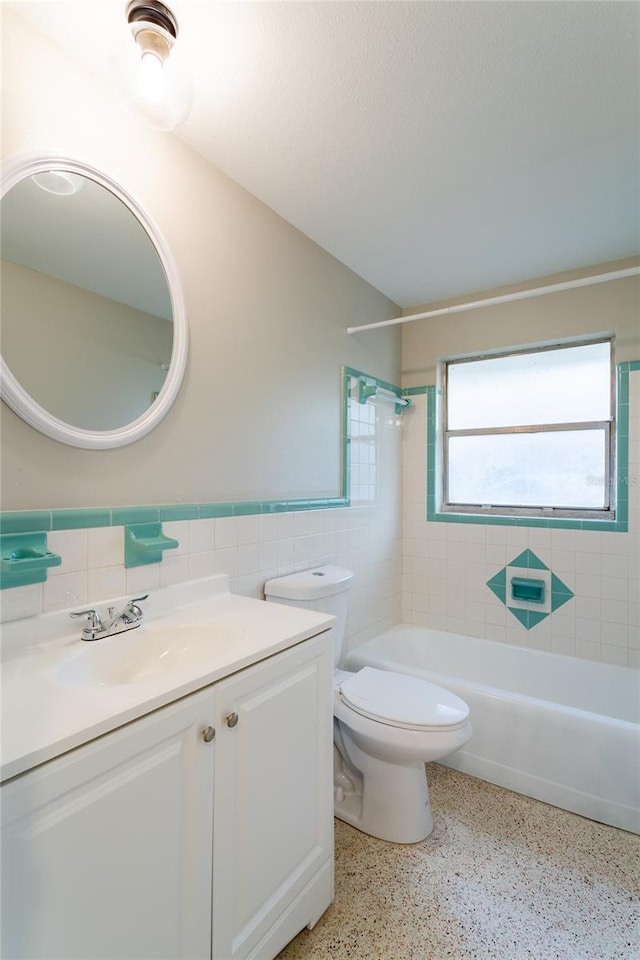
(607,512)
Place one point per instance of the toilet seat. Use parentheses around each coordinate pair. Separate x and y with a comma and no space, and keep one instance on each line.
(401,700)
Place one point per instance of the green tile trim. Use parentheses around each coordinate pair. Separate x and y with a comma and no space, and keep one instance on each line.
(247,508)
(619,525)
(207,511)
(179,511)
(374,381)
(120,516)
(367,386)
(24,521)
(414,391)
(80,519)
(345,446)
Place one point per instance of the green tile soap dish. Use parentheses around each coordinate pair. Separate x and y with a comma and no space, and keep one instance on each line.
(144,543)
(25,559)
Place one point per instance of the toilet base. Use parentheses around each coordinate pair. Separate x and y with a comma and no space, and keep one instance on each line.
(390,801)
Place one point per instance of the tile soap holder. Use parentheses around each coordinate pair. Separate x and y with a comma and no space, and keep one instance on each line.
(25,559)
(527,590)
(144,543)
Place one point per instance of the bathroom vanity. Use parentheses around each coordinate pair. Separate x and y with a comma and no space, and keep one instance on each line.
(181,811)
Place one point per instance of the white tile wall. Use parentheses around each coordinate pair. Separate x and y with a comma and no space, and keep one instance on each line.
(446,567)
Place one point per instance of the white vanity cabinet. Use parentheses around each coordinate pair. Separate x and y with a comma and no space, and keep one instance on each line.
(273,811)
(107,850)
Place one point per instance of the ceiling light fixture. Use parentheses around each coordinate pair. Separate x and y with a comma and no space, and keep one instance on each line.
(150,73)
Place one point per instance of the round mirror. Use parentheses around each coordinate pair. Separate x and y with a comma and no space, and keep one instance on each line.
(94,331)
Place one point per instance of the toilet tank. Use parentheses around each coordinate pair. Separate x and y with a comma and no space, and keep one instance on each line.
(322,588)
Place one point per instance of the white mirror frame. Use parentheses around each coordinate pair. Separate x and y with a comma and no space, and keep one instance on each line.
(13,393)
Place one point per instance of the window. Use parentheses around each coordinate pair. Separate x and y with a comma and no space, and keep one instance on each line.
(530,433)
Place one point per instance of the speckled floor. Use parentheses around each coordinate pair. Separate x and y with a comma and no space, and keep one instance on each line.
(501,876)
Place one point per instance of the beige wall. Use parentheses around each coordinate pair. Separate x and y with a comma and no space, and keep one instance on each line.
(258,416)
(611,307)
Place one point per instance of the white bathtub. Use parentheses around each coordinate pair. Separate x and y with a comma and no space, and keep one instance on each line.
(560,729)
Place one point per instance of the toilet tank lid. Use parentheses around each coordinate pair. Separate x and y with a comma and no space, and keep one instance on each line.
(310,584)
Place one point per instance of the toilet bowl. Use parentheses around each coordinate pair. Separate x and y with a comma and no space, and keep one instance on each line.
(386,725)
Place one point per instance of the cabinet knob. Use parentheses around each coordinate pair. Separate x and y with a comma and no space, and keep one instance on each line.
(232,719)
(208,734)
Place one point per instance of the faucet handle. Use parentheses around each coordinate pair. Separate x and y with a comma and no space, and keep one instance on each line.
(92,615)
(93,625)
(134,608)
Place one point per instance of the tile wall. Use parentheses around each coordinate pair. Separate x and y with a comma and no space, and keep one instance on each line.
(406,568)
(446,566)
(364,537)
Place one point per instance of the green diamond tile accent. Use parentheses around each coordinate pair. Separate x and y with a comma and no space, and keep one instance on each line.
(560,592)
(521,615)
(528,618)
(527,560)
(499,585)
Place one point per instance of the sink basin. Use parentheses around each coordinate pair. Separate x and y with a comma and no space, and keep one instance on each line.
(144,652)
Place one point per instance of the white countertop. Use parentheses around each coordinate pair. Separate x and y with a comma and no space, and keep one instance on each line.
(45,711)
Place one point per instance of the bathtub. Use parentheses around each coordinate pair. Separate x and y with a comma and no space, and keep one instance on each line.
(562,730)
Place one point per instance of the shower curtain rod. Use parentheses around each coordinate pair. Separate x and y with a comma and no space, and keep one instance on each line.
(504,298)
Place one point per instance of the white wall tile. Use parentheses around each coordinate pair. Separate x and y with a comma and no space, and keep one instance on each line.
(174,569)
(201,535)
(105,583)
(72,547)
(16,603)
(203,564)
(585,562)
(248,529)
(225,532)
(615,655)
(66,590)
(142,579)
(105,547)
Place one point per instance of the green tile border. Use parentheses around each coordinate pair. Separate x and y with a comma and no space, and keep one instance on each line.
(349,373)
(619,525)
(414,391)
(22,521)
(374,381)
(25,521)
(47,520)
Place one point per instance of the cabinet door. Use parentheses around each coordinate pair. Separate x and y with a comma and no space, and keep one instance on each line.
(273,811)
(106,851)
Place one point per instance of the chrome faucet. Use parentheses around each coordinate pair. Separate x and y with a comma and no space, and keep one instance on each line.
(126,619)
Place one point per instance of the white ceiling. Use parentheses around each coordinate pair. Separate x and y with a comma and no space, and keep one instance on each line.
(436,148)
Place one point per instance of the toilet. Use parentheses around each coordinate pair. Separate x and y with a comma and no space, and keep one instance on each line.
(386,725)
